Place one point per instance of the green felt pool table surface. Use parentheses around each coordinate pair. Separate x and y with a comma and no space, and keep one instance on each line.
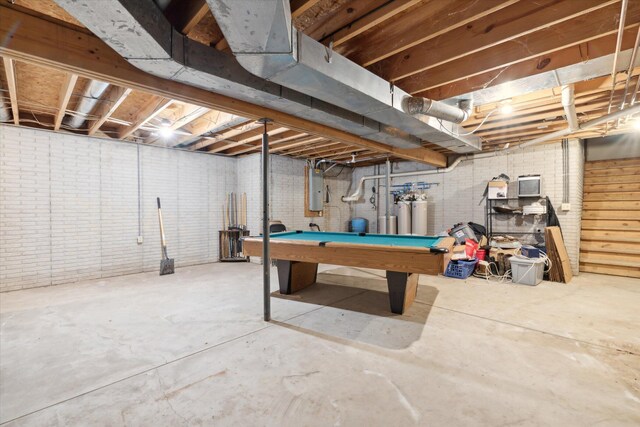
(356,238)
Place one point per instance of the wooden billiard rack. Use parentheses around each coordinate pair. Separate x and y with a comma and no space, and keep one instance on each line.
(297,262)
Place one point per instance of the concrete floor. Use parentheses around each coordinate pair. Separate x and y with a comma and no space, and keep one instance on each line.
(191,349)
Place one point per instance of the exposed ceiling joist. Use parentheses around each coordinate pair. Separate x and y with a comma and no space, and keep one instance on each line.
(223,136)
(205,124)
(298,7)
(370,20)
(515,21)
(409,29)
(282,137)
(10,75)
(187,113)
(47,43)
(151,109)
(63,99)
(244,138)
(106,107)
(184,15)
(295,143)
(578,30)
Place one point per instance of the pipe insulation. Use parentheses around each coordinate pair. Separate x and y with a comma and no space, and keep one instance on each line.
(90,97)
(569,105)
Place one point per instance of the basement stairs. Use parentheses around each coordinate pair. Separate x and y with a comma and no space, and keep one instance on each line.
(610,238)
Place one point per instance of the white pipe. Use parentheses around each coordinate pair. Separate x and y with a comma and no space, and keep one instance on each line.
(569,105)
(584,126)
(360,188)
(623,15)
(558,134)
(632,62)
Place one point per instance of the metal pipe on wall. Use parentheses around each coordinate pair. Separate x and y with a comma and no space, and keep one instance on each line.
(387,190)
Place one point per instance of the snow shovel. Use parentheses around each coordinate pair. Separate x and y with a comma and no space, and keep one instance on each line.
(166,263)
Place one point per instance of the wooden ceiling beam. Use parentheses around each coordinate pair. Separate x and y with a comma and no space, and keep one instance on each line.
(107,106)
(241,140)
(313,147)
(151,108)
(369,21)
(558,37)
(184,15)
(562,58)
(298,7)
(208,123)
(295,143)
(187,114)
(332,19)
(47,43)
(12,86)
(283,137)
(63,99)
(515,21)
(224,135)
(410,29)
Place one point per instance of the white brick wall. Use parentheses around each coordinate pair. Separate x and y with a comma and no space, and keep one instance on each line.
(69,204)
(458,195)
(69,207)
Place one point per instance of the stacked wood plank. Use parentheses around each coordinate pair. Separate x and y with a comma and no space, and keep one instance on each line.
(557,252)
(610,239)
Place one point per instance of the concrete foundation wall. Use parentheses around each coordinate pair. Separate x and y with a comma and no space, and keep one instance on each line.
(458,196)
(72,208)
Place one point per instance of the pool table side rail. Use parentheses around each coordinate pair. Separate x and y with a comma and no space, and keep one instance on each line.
(390,258)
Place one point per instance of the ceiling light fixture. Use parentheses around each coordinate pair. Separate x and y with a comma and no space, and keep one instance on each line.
(636,124)
(506,109)
(165,132)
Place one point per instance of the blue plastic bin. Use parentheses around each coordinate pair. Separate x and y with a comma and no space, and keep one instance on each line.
(460,269)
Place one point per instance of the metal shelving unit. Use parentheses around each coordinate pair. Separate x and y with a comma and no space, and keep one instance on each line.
(537,232)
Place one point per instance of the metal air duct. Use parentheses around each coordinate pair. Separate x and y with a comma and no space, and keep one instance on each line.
(140,33)
(90,98)
(265,43)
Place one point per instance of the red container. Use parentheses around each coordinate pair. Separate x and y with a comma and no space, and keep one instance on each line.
(480,254)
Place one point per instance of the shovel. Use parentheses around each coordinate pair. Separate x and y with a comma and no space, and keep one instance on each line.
(166,264)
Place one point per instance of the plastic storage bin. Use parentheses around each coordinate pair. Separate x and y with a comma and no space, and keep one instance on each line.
(460,269)
(526,271)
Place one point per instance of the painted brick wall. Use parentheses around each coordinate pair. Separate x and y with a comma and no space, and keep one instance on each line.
(457,197)
(286,191)
(69,207)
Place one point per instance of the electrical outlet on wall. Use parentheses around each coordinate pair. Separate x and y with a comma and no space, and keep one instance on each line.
(565,207)
(140,240)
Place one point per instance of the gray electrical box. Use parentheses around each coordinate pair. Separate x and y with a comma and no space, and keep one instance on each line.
(316,185)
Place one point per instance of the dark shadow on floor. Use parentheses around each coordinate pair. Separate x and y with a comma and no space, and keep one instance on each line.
(357,309)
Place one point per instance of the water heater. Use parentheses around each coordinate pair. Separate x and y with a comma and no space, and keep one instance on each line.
(316,185)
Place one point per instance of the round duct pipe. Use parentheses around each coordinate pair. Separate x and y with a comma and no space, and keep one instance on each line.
(90,98)
(416,105)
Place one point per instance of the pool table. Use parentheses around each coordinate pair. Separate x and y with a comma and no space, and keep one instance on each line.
(298,253)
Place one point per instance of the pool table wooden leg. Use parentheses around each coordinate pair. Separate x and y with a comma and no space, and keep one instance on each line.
(403,288)
(295,275)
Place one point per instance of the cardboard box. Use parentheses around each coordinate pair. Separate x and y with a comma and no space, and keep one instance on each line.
(497,190)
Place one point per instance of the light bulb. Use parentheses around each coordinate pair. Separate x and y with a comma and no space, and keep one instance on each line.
(506,109)
(165,132)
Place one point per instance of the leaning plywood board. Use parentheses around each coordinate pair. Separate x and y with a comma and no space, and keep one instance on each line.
(556,242)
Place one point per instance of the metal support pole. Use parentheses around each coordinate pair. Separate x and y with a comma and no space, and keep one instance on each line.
(266,261)
(387,212)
